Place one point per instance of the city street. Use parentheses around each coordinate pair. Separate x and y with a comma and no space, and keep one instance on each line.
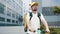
(12,30)
(16,13)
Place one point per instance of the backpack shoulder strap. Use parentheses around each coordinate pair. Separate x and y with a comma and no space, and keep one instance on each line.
(39,15)
(30,14)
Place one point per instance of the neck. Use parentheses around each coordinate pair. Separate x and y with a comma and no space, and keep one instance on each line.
(34,12)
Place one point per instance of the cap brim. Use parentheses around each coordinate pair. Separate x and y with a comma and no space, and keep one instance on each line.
(34,4)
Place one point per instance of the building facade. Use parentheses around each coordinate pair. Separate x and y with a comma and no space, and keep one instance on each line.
(52,19)
(10,11)
(26,6)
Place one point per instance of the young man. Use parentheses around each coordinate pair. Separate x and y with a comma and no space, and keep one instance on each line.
(34,23)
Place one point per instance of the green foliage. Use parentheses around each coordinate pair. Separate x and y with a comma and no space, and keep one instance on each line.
(42,27)
(56,9)
(54,31)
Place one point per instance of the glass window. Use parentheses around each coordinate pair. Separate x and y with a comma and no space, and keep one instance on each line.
(16,21)
(13,21)
(1,8)
(8,20)
(2,19)
(8,12)
(13,15)
(17,15)
(47,11)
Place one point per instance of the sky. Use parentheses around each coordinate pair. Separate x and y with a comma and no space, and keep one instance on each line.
(49,3)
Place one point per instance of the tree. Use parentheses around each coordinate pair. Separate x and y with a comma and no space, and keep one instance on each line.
(56,9)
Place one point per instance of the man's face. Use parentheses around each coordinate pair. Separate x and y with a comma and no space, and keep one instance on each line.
(34,8)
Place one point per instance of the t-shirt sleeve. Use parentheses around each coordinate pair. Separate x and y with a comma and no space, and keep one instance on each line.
(41,17)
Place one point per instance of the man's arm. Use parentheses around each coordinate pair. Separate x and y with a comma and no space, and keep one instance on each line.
(45,23)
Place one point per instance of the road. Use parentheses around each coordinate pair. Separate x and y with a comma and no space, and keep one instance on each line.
(12,30)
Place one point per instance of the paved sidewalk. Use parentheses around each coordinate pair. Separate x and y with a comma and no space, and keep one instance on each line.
(12,30)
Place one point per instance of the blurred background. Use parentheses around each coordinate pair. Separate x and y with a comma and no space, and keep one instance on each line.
(12,15)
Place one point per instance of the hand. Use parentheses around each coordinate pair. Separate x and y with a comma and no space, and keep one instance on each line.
(47,30)
(31,30)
